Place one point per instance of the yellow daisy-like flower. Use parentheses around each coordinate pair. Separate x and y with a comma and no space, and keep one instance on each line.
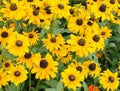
(80,45)
(14,10)
(60,8)
(105,32)
(28,58)
(18,45)
(7,65)
(109,80)
(53,42)
(5,35)
(33,37)
(18,74)
(115,20)
(93,68)
(45,68)
(4,78)
(71,78)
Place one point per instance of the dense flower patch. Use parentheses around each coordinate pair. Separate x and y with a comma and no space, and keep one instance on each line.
(59,45)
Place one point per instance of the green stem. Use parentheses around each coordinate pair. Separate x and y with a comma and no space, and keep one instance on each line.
(29,80)
(37,86)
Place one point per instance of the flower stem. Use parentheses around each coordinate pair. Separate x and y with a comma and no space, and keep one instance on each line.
(29,80)
(37,86)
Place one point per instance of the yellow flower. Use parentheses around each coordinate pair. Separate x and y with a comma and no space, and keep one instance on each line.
(71,78)
(18,45)
(33,37)
(53,42)
(7,65)
(4,78)
(109,80)
(93,68)
(18,74)
(45,68)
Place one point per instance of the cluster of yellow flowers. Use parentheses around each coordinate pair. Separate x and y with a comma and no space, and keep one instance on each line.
(86,36)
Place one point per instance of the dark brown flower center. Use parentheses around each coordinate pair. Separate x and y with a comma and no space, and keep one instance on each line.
(111,79)
(89,23)
(4,34)
(53,40)
(79,21)
(29,0)
(71,77)
(19,43)
(48,11)
(7,65)
(28,55)
(96,38)
(17,73)
(81,42)
(112,1)
(71,11)
(13,7)
(102,8)
(31,35)
(36,12)
(79,68)
(95,0)
(4,18)
(42,20)
(43,63)
(60,6)
(92,66)
(103,33)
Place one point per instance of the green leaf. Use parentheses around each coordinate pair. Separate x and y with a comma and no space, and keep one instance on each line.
(111,45)
(12,87)
(52,83)
(85,86)
(50,89)
(60,86)
(1,89)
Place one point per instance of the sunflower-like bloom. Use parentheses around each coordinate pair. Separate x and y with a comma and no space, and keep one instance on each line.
(93,68)
(18,74)
(14,10)
(18,45)
(71,78)
(80,45)
(45,68)
(53,42)
(5,35)
(4,78)
(7,65)
(33,37)
(109,80)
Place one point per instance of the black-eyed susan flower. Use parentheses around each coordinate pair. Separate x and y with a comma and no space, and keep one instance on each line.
(53,42)
(5,35)
(71,78)
(80,45)
(45,68)
(18,74)
(18,45)
(33,37)
(7,65)
(93,68)
(4,78)
(14,10)
(109,80)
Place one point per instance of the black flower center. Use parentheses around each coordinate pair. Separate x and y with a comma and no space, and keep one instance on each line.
(29,0)
(17,73)
(112,1)
(31,35)
(79,68)
(42,20)
(102,8)
(111,79)
(7,65)
(4,34)
(60,6)
(89,23)
(19,43)
(71,77)
(28,55)
(43,63)
(81,42)
(103,33)
(92,66)
(48,11)
(79,21)
(71,11)
(53,40)
(36,12)
(13,7)
(96,38)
